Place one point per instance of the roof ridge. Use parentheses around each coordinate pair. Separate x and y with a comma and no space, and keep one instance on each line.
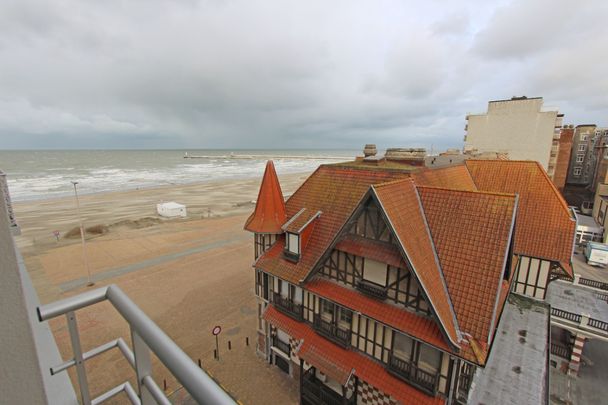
(391,182)
(407,256)
(469,191)
(439,265)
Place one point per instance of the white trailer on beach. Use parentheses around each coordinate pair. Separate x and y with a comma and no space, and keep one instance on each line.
(171,210)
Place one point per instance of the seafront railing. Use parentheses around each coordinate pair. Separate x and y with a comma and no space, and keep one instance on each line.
(146,337)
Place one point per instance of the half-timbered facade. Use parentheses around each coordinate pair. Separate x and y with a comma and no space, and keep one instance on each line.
(386,285)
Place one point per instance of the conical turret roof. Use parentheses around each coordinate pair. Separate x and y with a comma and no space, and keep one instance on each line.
(269,215)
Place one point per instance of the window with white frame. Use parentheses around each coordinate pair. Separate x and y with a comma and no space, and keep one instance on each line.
(577,171)
(580,157)
(583,137)
(293,243)
(582,147)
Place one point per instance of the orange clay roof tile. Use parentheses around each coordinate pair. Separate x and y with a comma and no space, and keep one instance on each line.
(269,215)
(452,177)
(545,228)
(401,319)
(335,191)
(338,363)
(471,231)
(401,204)
(380,251)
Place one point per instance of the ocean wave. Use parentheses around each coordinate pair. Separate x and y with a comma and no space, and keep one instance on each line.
(114,172)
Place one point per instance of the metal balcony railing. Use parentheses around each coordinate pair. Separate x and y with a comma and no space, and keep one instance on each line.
(411,373)
(566,315)
(282,346)
(561,350)
(372,289)
(146,336)
(331,331)
(288,307)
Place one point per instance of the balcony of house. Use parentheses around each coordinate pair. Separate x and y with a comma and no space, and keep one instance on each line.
(282,346)
(147,339)
(579,306)
(339,334)
(372,289)
(314,392)
(288,306)
(414,375)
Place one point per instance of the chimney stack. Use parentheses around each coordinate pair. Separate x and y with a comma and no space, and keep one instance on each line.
(370,150)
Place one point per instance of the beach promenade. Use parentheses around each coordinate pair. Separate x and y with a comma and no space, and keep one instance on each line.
(187,275)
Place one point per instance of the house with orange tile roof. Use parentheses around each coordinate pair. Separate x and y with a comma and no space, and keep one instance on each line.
(386,283)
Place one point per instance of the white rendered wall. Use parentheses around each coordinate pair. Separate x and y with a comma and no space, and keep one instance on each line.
(517,127)
(27,347)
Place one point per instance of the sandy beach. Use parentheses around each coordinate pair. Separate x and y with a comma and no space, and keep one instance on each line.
(38,219)
(188,275)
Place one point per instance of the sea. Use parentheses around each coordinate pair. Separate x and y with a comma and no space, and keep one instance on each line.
(47,174)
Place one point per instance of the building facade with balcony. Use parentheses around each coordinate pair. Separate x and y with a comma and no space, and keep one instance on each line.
(386,284)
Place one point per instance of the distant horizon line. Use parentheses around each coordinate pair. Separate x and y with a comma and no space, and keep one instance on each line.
(170,149)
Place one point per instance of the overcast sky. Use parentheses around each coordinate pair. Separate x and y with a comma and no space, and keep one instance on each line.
(288,74)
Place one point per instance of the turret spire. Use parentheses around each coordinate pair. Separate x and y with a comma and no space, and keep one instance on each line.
(269,215)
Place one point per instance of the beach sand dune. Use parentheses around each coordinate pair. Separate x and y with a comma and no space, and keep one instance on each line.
(135,208)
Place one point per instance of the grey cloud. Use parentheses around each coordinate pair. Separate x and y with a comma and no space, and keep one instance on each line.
(280,73)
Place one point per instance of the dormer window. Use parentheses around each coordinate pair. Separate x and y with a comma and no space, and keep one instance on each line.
(297,232)
(293,243)
(292,246)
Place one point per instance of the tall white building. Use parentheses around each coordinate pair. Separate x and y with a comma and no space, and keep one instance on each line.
(520,127)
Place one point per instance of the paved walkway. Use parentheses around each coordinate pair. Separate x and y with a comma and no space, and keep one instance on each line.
(107,274)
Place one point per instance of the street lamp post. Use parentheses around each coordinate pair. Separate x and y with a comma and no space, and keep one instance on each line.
(84,246)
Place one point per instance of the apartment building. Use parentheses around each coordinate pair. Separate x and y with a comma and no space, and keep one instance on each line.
(520,127)
(381,283)
(582,160)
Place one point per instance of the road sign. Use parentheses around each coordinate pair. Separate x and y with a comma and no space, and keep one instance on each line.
(216,331)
